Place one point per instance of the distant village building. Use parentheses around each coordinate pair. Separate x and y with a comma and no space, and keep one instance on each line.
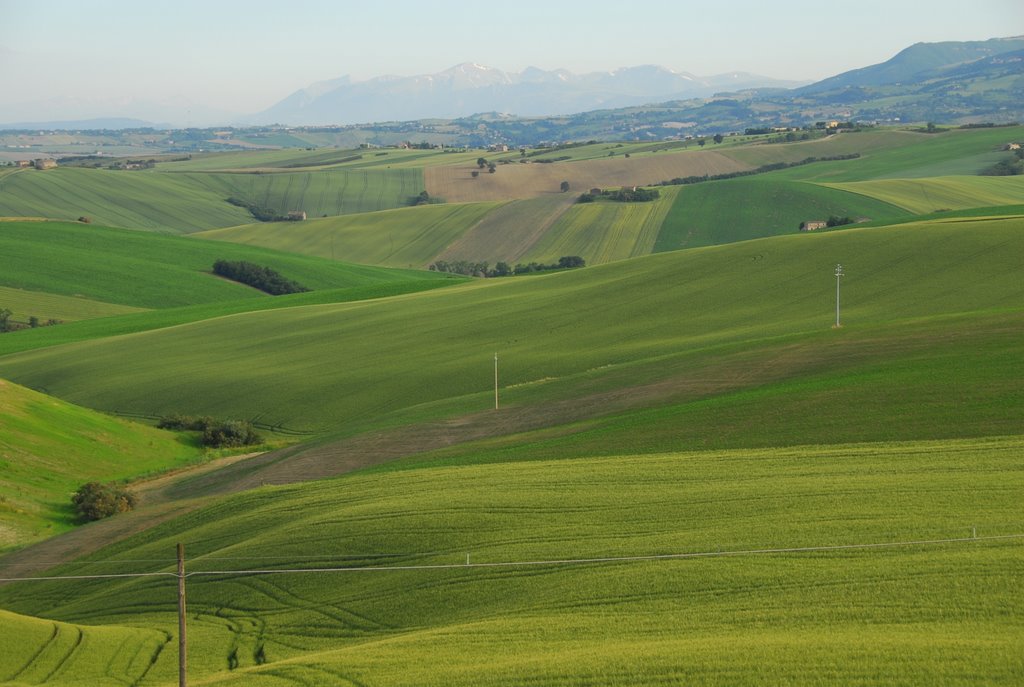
(24,163)
(813,224)
(297,215)
(1012,146)
(47,163)
(499,148)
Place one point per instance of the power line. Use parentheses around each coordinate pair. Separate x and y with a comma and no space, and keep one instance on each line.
(534,563)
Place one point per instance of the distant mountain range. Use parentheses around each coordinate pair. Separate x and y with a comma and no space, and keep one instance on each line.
(945,83)
(469,88)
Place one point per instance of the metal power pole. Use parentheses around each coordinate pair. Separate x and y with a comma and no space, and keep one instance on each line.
(495,380)
(839,275)
(182,679)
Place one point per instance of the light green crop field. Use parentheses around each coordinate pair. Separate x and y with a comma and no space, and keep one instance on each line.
(94,262)
(327,192)
(136,200)
(49,448)
(43,337)
(406,237)
(960,152)
(931,599)
(338,367)
(62,653)
(949,193)
(748,208)
(604,231)
(46,306)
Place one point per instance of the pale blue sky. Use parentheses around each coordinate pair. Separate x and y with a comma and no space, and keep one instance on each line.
(242,57)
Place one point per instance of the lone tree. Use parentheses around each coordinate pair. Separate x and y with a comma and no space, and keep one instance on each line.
(481,162)
(94,501)
(718,138)
(564,186)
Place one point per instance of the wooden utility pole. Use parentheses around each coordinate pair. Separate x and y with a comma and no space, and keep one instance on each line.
(495,380)
(182,679)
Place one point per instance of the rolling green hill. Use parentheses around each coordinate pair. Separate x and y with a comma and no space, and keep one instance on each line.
(49,448)
(560,336)
(163,271)
(136,200)
(748,208)
(886,613)
(407,237)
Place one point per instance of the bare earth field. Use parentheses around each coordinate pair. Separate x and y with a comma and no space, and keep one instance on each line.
(456,183)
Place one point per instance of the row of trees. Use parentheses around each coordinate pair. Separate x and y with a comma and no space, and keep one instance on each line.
(9,325)
(265,214)
(215,433)
(626,194)
(263,278)
(502,269)
(773,167)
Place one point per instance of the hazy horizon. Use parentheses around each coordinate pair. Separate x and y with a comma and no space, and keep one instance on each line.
(210,62)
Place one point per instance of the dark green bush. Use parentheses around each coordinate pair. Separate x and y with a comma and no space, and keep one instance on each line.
(94,501)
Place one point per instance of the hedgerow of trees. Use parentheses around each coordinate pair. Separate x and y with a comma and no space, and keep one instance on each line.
(94,501)
(9,325)
(773,167)
(636,194)
(264,214)
(215,433)
(263,278)
(502,269)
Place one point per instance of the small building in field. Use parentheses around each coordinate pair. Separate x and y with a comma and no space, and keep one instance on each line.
(45,163)
(24,163)
(297,215)
(1012,146)
(813,225)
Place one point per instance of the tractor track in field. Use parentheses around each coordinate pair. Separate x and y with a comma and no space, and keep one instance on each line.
(606,395)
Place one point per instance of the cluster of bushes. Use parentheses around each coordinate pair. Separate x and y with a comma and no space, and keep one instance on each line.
(773,167)
(502,269)
(1011,166)
(94,501)
(9,325)
(215,433)
(257,276)
(263,214)
(425,198)
(836,221)
(634,194)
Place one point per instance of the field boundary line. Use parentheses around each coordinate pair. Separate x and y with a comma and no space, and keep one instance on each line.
(542,562)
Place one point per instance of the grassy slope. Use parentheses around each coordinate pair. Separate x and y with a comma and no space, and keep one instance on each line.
(75,654)
(139,200)
(49,448)
(604,231)
(407,237)
(619,324)
(946,193)
(164,271)
(746,208)
(46,306)
(43,337)
(908,615)
(319,193)
(962,152)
